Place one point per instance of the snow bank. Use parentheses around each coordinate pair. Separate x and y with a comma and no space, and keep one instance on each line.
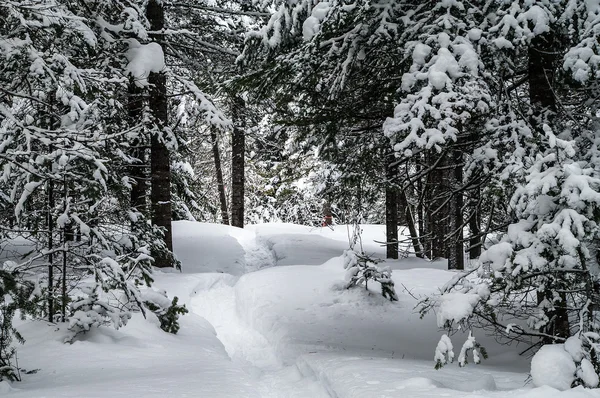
(297,244)
(300,309)
(203,247)
(137,359)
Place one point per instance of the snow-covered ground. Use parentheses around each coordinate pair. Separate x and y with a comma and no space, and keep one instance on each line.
(268,319)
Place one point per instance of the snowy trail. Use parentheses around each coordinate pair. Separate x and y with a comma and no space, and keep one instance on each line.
(250,349)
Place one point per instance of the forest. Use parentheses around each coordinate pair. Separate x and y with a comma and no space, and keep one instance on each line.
(144,140)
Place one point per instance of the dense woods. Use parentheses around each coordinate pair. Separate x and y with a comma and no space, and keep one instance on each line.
(470,129)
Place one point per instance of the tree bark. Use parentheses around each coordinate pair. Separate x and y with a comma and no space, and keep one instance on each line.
(391,208)
(542,59)
(327,214)
(137,170)
(238,149)
(50,225)
(444,210)
(219,172)
(456,225)
(475,242)
(437,208)
(160,165)
(410,223)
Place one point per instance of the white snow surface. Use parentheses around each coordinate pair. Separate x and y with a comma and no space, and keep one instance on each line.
(143,60)
(268,319)
(553,366)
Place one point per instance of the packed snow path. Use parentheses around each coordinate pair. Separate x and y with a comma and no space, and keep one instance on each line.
(249,349)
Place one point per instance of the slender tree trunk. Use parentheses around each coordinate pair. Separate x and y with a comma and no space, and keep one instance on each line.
(137,170)
(219,172)
(238,149)
(327,214)
(410,223)
(475,242)
(50,225)
(391,208)
(421,219)
(542,60)
(68,236)
(438,209)
(160,165)
(456,230)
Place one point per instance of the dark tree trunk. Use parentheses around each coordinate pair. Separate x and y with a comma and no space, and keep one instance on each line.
(160,196)
(410,223)
(475,242)
(542,61)
(444,209)
(238,149)
(50,225)
(457,258)
(219,172)
(438,208)
(391,208)
(137,170)
(327,214)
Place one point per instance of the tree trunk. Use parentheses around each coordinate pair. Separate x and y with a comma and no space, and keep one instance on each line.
(438,209)
(475,242)
(160,165)
(445,209)
(410,223)
(327,214)
(238,149)
(50,225)
(391,208)
(137,170)
(219,172)
(542,59)
(456,225)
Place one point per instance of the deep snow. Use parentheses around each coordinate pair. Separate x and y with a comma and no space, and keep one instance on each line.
(286,329)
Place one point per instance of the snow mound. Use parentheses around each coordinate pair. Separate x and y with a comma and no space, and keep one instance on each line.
(553,366)
(143,60)
(203,247)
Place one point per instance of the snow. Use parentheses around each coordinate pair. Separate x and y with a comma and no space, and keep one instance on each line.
(143,60)
(268,319)
(553,366)
(312,24)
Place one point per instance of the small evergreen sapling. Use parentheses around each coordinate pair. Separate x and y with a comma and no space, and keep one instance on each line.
(15,294)
(361,268)
(168,314)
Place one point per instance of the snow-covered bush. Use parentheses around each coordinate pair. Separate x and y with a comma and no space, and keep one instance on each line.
(360,269)
(15,294)
(563,366)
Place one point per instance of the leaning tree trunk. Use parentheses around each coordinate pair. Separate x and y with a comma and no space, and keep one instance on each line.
(219,172)
(238,149)
(160,166)
(410,223)
(391,208)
